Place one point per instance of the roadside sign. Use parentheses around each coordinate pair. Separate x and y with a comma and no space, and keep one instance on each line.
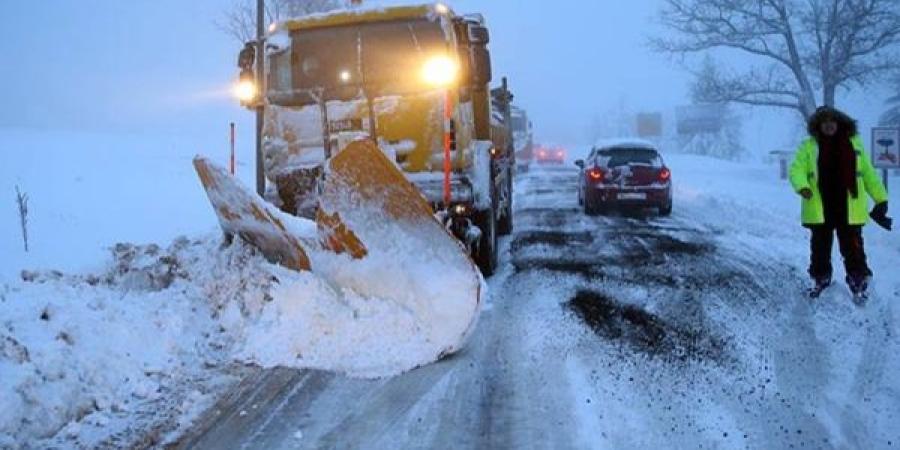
(649,125)
(886,147)
(699,119)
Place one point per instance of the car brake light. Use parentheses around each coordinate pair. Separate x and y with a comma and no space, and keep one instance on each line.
(595,174)
(665,174)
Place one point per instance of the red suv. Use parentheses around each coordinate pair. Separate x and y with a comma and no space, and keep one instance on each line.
(627,174)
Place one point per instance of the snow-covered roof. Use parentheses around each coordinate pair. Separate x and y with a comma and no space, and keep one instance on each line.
(339,17)
(624,142)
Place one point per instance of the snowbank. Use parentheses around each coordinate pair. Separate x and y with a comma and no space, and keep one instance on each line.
(86,350)
(92,347)
(80,351)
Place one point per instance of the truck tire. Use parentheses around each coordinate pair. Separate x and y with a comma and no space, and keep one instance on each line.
(485,255)
(505,224)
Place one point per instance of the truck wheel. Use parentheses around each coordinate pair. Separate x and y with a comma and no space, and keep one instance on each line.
(505,224)
(485,255)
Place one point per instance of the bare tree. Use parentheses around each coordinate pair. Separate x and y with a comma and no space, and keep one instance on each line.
(891,116)
(239,21)
(802,51)
(22,201)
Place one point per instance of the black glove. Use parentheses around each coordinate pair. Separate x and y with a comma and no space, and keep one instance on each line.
(879,215)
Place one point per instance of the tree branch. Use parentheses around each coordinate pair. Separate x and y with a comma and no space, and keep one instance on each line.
(239,21)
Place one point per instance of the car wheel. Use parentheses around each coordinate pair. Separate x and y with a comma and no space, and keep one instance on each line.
(666,210)
(591,204)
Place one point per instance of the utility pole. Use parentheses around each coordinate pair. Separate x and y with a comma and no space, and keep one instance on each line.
(261,87)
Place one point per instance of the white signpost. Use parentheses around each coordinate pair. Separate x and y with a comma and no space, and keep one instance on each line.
(886,150)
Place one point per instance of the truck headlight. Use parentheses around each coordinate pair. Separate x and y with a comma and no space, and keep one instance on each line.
(245,90)
(440,71)
(460,210)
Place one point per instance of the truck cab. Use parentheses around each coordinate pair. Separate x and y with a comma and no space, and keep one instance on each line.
(415,80)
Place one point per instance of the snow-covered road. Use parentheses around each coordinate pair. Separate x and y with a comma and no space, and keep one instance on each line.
(613,332)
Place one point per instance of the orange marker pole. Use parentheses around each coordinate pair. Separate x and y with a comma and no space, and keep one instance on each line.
(448,117)
(232,148)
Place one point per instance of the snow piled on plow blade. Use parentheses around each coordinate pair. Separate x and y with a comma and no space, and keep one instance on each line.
(312,323)
(388,288)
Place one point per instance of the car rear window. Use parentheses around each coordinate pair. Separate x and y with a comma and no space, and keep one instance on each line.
(623,156)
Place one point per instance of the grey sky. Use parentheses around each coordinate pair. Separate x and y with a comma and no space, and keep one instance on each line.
(157,65)
(115,65)
(162,66)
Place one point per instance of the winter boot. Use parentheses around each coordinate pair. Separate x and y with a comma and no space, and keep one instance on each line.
(859,286)
(821,283)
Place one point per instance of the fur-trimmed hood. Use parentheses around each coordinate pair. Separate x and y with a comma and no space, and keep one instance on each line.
(846,124)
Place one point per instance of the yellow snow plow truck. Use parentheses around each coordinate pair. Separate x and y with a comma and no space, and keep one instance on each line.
(411,81)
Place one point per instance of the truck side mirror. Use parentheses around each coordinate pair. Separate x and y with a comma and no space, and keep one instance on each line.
(481,73)
(247,56)
(479,35)
(579,163)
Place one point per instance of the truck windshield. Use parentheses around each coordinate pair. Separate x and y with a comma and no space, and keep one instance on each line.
(384,57)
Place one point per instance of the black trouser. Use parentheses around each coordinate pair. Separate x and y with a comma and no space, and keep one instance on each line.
(850,242)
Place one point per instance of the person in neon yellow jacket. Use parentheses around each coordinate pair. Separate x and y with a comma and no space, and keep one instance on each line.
(832,172)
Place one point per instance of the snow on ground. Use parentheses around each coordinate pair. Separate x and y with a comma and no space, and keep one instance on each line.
(109,346)
(845,354)
(155,330)
(794,373)
(88,191)
(79,352)
(750,205)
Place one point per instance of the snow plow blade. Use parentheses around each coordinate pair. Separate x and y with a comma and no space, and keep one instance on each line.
(375,236)
(364,194)
(243,213)
(369,209)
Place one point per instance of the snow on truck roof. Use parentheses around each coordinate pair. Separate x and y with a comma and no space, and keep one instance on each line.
(342,17)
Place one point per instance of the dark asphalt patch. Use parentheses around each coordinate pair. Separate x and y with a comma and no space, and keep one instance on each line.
(588,269)
(643,331)
(546,217)
(551,238)
(653,248)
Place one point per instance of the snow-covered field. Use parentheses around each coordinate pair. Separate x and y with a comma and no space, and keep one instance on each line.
(136,336)
(88,191)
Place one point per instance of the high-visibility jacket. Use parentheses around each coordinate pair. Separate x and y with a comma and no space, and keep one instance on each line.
(805,175)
